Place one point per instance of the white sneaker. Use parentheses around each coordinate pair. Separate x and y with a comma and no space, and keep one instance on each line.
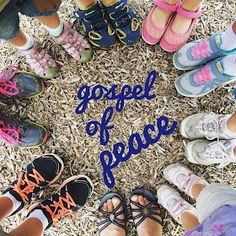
(171,200)
(203,125)
(204,152)
(182,178)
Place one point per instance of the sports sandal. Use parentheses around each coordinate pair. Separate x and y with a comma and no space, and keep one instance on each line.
(171,41)
(149,24)
(15,83)
(142,212)
(97,28)
(107,218)
(124,21)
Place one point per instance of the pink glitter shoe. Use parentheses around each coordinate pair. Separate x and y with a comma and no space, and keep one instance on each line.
(149,24)
(171,41)
(40,61)
(75,44)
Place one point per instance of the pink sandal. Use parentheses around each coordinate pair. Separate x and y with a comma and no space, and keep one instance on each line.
(148,23)
(171,41)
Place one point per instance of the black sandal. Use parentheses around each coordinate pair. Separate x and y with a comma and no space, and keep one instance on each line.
(109,218)
(149,211)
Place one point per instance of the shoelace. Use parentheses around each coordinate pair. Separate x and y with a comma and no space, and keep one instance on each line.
(8,87)
(10,135)
(40,61)
(210,126)
(201,50)
(217,151)
(29,186)
(74,43)
(57,209)
(203,75)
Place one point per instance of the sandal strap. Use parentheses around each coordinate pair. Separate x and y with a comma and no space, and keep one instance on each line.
(189,14)
(116,221)
(151,208)
(162,5)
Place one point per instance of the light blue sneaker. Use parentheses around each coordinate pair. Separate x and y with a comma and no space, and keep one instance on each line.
(203,80)
(199,52)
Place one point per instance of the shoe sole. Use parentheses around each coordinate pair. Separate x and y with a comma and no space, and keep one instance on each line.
(198,96)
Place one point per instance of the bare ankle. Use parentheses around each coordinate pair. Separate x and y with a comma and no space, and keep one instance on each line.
(191,5)
(171,2)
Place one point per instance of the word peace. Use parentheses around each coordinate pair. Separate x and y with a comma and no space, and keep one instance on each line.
(135,146)
(97,92)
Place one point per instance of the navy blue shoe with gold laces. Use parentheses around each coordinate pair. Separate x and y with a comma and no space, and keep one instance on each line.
(124,21)
(98,30)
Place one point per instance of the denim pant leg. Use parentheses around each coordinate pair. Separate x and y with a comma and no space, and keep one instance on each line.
(9,22)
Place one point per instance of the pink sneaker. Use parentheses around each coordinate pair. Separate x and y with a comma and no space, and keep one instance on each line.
(149,24)
(40,61)
(75,44)
(171,41)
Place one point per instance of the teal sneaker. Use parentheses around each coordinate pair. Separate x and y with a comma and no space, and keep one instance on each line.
(199,52)
(17,84)
(203,80)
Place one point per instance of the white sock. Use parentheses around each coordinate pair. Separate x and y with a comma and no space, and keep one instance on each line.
(229,64)
(29,43)
(38,214)
(15,203)
(56,32)
(228,39)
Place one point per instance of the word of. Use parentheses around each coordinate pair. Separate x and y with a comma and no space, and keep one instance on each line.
(135,146)
(127,93)
(92,126)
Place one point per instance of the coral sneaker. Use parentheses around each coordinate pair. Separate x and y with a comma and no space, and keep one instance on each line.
(39,174)
(203,80)
(204,152)
(74,43)
(199,52)
(15,83)
(22,133)
(72,194)
(149,25)
(171,200)
(40,62)
(171,41)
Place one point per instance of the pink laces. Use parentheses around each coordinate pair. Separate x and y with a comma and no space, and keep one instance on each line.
(10,135)
(201,50)
(203,76)
(8,87)
(40,61)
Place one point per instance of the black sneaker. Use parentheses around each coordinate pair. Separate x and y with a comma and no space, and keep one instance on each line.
(72,194)
(19,84)
(22,133)
(40,173)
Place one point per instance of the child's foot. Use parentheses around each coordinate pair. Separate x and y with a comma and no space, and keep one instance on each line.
(75,44)
(180,28)
(171,200)
(203,125)
(182,178)
(97,28)
(146,212)
(112,216)
(203,80)
(124,21)
(72,194)
(19,84)
(22,133)
(157,21)
(199,52)
(39,174)
(40,62)
(204,152)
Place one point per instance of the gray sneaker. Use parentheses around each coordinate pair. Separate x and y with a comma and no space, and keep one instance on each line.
(203,80)
(203,125)
(199,52)
(204,152)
